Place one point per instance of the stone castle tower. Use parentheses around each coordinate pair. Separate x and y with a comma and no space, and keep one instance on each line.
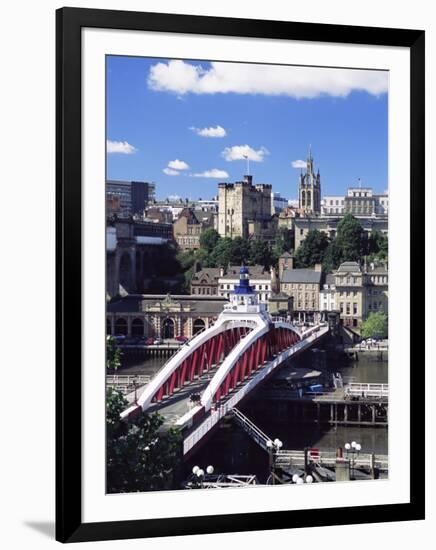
(242,206)
(309,189)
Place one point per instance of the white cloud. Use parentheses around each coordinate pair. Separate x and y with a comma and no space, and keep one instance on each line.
(299,164)
(178,165)
(213,173)
(181,78)
(239,152)
(122,147)
(293,202)
(170,172)
(217,132)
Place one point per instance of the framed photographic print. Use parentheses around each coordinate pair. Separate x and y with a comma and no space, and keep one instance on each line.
(240,226)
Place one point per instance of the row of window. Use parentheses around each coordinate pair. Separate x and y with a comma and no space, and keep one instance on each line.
(204,290)
(347,309)
(256,287)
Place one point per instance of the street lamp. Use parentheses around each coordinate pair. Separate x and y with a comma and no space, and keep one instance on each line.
(198,475)
(299,480)
(352,450)
(273,448)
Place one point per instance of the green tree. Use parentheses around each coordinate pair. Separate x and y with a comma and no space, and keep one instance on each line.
(284,242)
(260,253)
(209,239)
(332,257)
(312,250)
(349,239)
(239,251)
(375,326)
(222,253)
(113,354)
(140,457)
(377,247)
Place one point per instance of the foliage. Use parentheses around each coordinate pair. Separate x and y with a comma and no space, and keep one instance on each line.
(332,257)
(209,239)
(284,243)
(113,354)
(377,247)
(375,326)
(312,249)
(140,457)
(349,239)
(260,253)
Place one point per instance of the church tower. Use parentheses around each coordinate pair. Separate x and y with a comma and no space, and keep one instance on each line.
(309,189)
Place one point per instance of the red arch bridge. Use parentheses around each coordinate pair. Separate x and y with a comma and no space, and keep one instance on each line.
(220,367)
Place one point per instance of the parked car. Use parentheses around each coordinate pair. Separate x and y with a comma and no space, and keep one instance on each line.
(157,341)
(119,338)
(149,341)
(181,339)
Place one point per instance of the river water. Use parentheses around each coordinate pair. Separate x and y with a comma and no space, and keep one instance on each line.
(230,450)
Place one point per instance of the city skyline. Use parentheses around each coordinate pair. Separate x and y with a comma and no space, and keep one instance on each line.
(189,125)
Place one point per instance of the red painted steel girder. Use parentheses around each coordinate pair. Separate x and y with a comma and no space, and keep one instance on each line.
(210,353)
(263,349)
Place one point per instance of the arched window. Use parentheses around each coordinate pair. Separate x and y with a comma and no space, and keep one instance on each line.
(198,326)
(137,327)
(168,328)
(121,327)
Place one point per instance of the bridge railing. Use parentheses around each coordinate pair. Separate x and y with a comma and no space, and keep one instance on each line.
(254,431)
(356,389)
(328,458)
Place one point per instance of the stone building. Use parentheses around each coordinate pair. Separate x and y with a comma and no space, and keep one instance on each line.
(309,189)
(187,230)
(161,316)
(205,281)
(303,285)
(350,296)
(244,209)
(329,226)
(376,290)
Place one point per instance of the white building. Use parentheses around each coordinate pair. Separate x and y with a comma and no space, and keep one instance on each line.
(261,281)
(327,294)
(359,201)
(333,205)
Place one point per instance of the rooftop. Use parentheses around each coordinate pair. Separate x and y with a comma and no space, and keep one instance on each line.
(301,276)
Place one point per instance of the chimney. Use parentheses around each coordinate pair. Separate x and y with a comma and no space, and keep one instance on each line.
(285,262)
(221,271)
(318,268)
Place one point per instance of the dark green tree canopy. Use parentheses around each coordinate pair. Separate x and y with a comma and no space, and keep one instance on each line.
(349,239)
(209,239)
(140,457)
(312,249)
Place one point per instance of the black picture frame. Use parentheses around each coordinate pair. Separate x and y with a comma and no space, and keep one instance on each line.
(69,23)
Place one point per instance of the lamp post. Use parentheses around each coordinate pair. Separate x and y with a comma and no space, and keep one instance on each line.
(352,451)
(273,448)
(299,480)
(198,475)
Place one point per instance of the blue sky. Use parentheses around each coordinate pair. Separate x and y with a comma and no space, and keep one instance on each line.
(180,123)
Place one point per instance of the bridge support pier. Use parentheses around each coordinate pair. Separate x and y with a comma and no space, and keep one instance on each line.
(342,469)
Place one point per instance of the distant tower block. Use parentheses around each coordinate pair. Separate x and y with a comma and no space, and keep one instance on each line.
(309,189)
